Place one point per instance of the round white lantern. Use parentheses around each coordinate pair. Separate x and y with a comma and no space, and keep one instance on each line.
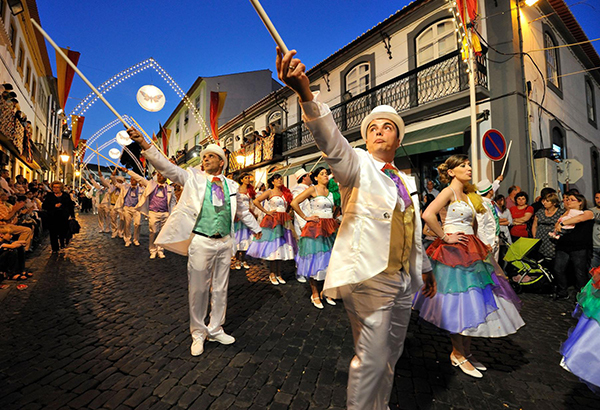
(123,138)
(114,153)
(151,98)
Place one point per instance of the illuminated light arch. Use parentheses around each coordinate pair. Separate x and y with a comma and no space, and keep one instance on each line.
(124,75)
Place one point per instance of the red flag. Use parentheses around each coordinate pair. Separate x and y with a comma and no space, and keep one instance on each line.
(82,150)
(165,134)
(64,74)
(76,127)
(217,102)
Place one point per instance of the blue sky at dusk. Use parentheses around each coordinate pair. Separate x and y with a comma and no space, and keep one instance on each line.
(206,38)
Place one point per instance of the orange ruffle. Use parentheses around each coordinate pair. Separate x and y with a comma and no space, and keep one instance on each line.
(323,227)
(463,254)
(278,218)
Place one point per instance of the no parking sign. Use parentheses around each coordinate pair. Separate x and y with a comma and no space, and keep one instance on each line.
(494,144)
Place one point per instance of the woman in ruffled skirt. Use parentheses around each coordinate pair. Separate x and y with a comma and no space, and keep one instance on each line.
(472,300)
(277,242)
(318,235)
(243,234)
(581,351)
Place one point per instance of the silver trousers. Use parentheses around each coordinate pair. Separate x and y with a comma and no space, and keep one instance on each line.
(131,215)
(379,311)
(208,278)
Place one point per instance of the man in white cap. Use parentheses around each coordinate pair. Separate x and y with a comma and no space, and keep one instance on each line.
(201,227)
(127,202)
(488,224)
(377,262)
(304,181)
(113,212)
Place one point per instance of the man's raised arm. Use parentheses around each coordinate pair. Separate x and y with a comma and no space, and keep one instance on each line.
(158,161)
(316,115)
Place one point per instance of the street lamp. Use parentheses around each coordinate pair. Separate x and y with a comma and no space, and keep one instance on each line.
(530,2)
(64,157)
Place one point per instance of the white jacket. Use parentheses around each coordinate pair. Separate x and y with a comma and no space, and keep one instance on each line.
(149,187)
(177,234)
(369,197)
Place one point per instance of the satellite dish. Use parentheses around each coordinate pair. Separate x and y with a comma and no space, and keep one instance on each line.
(151,98)
(123,138)
(114,153)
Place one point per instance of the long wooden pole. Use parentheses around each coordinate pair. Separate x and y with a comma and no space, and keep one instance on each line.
(99,154)
(506,157)
(472,99)
(267,21)
(74,67)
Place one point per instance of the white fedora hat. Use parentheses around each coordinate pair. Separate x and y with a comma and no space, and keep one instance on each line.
(383,112)
(215,149)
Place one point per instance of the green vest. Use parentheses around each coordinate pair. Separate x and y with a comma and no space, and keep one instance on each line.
(214,220)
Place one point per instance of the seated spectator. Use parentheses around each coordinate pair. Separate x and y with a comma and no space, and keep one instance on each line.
(8,217)
(12,258)
(521,214)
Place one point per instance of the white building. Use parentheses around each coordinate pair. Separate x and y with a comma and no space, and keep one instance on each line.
(24,63)
(412,61)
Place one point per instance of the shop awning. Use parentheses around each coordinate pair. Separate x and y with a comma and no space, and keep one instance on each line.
(435,138)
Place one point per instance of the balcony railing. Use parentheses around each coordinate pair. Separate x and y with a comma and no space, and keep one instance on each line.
(430,82)
(261,150)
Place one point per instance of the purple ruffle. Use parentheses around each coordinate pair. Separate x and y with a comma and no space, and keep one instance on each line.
(580,351)
(263,249)
(505,291)
(313,266)
(456,312)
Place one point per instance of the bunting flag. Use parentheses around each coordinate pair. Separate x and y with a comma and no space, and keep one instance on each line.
(164,134)
(65,74)
(82,150)
(154,138)
(472,12)
(217,102)
(76,127)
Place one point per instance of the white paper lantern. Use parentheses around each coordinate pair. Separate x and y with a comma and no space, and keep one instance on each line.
(114,153)
(123,138)
(151,98)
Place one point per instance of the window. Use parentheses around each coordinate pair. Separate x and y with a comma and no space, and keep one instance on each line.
(21,60)
(558,142)
(358,79)
(590,101)
(12,34)
(27,76)
(186,117)
(552,62)
(2,9)
(33,87)
(274,121)
(197,103)
(248,131)
(436,41)
(177,126)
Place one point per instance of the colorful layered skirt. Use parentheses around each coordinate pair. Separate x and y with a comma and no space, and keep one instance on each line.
(471,299)
(277,241)
(243,236)
(581,351)
(314,247)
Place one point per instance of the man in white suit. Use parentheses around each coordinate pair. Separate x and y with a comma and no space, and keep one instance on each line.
(201,226)
(377,262)
(103,205)
(157,202)
(116,225)
(126,204)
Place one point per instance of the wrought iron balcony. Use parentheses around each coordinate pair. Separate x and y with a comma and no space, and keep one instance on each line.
(261,150)
(428,83)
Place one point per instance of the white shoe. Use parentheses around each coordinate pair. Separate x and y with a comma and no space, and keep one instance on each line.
(152,256)
(301,279)
(460,364)
(316,302)
(330,301)
(161,254)
(127,244)
(476,364)
(245,265)
(238,266)
(136,243)
(280,280)
(222,338)
(273,279)
(197,346)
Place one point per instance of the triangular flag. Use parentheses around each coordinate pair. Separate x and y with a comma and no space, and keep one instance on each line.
(76,127)
(64,75)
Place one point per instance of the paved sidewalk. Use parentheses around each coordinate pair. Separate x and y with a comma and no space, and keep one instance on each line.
(103,326)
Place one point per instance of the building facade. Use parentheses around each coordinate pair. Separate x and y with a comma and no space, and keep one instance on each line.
(412,62)
(190,126)
(30,139)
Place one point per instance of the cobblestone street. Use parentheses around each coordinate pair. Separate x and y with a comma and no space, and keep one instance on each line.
(103,326)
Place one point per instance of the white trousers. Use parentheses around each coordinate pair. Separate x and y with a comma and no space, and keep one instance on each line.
(208,277)
(156,220)
(129,215)
(116,221)
(379,311)
(104,217)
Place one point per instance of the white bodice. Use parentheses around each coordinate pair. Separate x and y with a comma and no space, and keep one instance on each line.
(244,205)
(322,206)
(459,218)
(277,204)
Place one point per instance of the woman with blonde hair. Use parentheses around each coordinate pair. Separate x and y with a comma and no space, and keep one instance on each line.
(471,299)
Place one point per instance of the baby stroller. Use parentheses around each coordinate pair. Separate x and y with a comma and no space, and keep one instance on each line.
(527,274)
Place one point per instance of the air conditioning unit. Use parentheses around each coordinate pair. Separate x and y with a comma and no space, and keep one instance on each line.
(546,174)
